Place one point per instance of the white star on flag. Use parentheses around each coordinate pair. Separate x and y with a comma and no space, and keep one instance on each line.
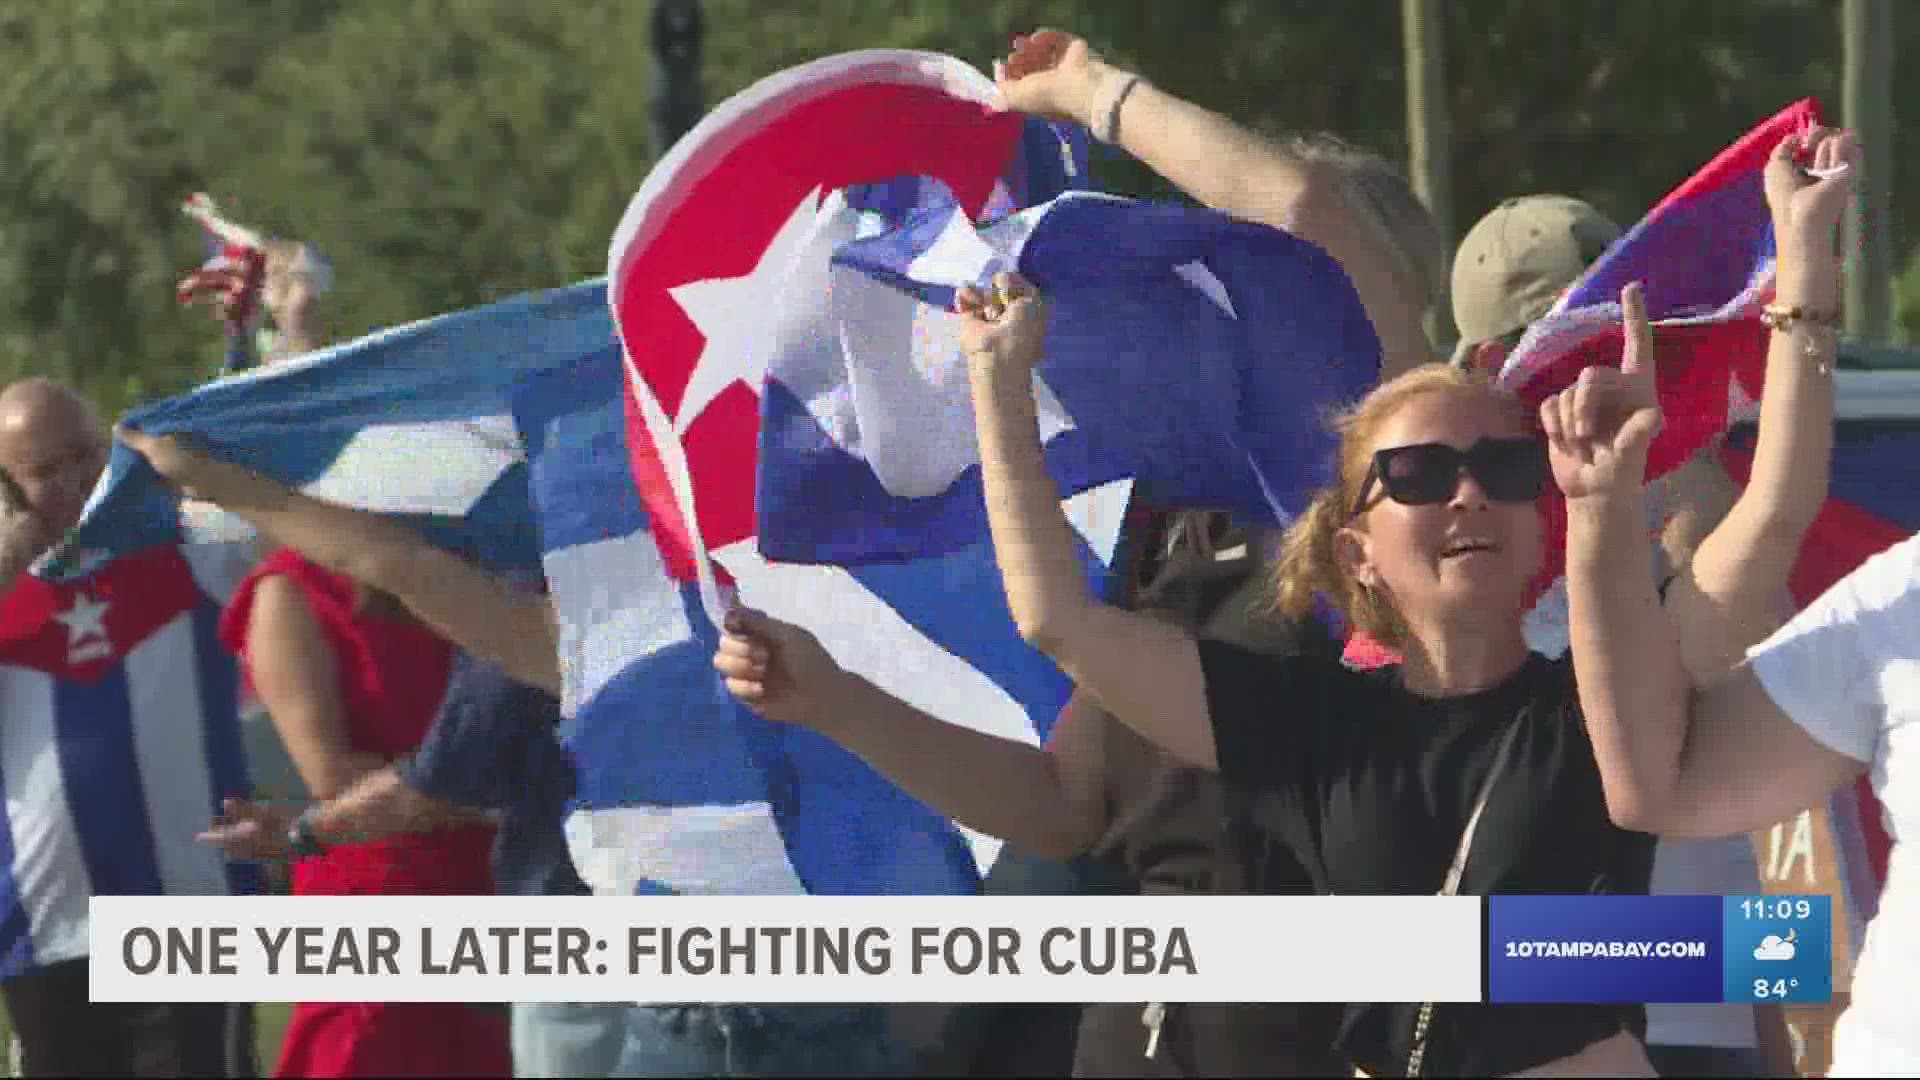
(739,344)
(85,621)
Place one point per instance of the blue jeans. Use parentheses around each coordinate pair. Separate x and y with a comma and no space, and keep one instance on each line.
(560,1039)
(760,1040)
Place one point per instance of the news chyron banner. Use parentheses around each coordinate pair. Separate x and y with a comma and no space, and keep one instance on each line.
(817,949)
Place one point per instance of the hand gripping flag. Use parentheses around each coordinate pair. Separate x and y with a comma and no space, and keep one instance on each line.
(701,268)
(415,421)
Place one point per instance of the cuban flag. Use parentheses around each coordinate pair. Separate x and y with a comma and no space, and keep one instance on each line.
(121,738)
(1705,259)
(705,270)
(1197,354)
(415,422)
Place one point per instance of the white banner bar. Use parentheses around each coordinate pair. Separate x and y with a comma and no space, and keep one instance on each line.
(787,950)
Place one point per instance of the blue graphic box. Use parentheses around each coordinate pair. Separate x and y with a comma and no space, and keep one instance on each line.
(1629,949)
(1779,949)
(1658,949)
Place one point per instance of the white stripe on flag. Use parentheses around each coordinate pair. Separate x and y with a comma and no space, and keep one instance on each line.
(620,605)
(49,873)
(436,468)
(169,747)
(866,636)
(695,850)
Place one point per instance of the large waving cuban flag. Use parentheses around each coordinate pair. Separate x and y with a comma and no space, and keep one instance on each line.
(1198,354)
(415,422)
(701,268)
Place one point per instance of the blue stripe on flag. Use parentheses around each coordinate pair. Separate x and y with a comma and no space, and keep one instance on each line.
(574,425)
(94,742)
(799,515)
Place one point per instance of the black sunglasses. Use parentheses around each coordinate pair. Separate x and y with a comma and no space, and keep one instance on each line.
(1508,470)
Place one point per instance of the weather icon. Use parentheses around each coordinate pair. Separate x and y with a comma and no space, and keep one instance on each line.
(1775,947)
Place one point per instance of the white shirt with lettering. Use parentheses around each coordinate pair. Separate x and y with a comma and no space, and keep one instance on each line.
(1847,670)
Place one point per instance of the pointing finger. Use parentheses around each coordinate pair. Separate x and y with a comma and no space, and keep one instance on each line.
(1637,361)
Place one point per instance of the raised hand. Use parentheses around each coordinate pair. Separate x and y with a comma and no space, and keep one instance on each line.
(1005,328)
(1050,73)
(194,473)
(777,669)
(1599,429)
(1809,181)
(218,287)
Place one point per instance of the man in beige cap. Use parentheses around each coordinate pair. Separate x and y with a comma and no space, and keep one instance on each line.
(1514,264)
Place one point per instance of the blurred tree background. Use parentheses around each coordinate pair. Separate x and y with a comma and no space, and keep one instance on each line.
(449,152)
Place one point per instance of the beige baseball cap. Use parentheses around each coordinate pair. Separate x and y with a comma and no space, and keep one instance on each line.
(1516,261)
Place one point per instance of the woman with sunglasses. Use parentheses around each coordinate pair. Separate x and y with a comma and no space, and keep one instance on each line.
(1428,542)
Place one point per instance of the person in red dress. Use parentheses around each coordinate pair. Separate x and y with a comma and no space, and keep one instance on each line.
(352,682)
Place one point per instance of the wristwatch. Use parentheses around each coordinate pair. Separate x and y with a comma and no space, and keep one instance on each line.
(303,840)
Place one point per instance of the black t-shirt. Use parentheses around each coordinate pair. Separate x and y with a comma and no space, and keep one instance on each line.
(1370,786)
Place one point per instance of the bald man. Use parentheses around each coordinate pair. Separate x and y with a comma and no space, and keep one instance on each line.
(52,448)
(119,736)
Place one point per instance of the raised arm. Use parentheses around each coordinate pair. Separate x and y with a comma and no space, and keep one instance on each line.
(1733,592)
(1804,715)
(293,670)
(472,607)
(1145,672)
(1672,760)
(1230,168)
(1633,684)
(1049,802)
(1801,718)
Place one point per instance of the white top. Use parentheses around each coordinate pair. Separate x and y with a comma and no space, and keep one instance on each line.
(1847,670)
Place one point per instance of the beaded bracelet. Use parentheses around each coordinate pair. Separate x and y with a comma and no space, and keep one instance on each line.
(1785,319)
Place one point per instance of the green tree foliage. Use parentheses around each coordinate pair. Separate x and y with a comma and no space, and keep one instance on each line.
(447,152)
